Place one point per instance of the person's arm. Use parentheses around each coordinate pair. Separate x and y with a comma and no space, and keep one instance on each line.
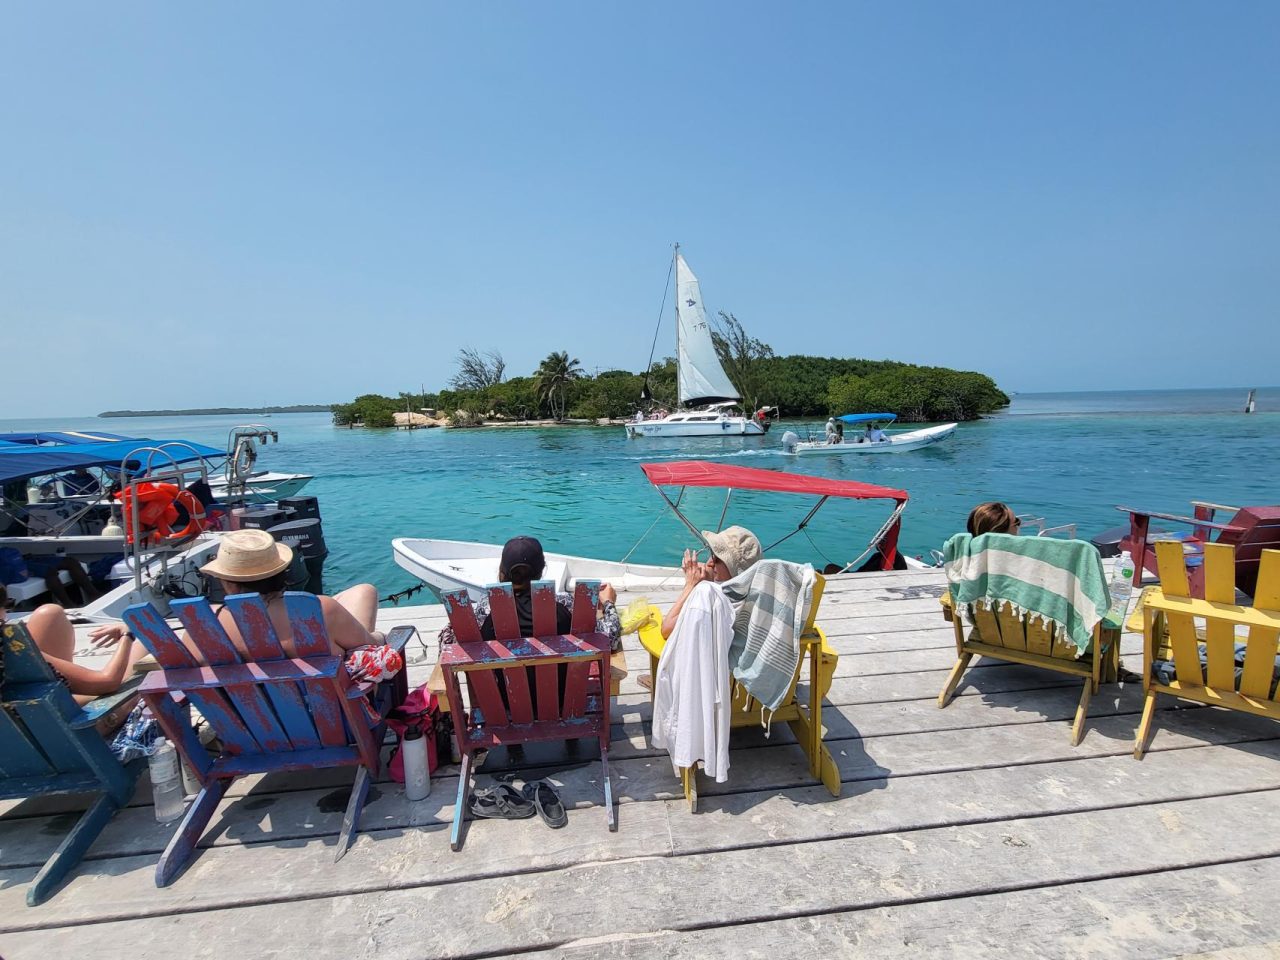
(97,683)
(694,574)
(345,631)
(608,622)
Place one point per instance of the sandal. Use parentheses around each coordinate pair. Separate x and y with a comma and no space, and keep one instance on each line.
(500,802)
(547,802)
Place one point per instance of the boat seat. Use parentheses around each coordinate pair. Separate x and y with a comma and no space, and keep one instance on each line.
(32,587)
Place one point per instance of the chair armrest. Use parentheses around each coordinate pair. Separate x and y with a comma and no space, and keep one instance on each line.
(1174,518)
(948,608)
(95,710)
(399,636)
(396,640)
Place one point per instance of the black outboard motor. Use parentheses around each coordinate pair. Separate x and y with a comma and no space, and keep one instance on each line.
(306,539)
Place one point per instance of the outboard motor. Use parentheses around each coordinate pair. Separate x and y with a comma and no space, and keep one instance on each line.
(306,538)
(789,441)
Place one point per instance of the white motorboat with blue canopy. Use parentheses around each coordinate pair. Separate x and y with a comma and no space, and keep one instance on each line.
(869,439)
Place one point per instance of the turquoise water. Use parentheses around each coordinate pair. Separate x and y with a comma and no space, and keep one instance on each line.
(1067,456)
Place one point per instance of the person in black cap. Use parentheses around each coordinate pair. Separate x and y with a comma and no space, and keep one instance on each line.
(522,563)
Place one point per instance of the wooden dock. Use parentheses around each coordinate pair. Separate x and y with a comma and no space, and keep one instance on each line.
(977,830)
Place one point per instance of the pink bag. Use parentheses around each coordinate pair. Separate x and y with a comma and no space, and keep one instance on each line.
(420,709)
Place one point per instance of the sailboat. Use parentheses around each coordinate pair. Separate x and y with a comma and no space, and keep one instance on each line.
(708,400)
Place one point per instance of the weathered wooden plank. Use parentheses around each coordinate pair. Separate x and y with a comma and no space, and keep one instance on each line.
(1115,919)
(518,913)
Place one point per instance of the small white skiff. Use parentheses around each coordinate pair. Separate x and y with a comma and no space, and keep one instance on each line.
(873,441)
(446,565)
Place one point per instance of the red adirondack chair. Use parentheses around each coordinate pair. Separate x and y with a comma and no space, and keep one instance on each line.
(1250,531)
(270,713)
(530,706)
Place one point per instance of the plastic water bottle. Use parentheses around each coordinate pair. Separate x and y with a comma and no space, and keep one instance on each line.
(417,778)
(166,783)
(1120,588)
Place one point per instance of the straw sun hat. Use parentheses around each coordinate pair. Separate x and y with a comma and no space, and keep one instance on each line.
(737,547)
(245,555)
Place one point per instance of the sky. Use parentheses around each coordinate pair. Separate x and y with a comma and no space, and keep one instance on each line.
(246,203)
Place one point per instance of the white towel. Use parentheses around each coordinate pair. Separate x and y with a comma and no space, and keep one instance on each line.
(691,704)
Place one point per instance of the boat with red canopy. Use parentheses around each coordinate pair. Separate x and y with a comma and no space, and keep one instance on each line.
(446,565)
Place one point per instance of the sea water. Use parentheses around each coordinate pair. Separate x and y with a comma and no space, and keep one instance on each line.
(1070,457)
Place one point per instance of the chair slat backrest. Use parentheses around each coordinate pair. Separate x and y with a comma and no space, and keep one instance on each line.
(1201,637)
(37,741)
(254,714)
(556,685)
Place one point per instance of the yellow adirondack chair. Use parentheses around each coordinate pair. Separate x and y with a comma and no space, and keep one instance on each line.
(1003,635)
(804,719)
(1177,627)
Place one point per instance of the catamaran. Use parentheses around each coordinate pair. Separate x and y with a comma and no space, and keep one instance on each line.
(709,402)
(872,441)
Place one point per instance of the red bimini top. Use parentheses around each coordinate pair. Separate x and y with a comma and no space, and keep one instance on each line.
(703,473)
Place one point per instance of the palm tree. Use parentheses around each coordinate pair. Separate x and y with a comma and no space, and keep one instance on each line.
(551,378)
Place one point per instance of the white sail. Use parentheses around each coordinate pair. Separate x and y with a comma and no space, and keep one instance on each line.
(702,379)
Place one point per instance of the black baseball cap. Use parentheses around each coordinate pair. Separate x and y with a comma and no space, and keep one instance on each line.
(523,552)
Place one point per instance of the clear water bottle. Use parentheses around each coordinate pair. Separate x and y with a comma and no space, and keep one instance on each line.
(1120,588)
(417,778)
(166,782)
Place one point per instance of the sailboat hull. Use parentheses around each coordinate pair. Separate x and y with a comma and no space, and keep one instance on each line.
(695,425)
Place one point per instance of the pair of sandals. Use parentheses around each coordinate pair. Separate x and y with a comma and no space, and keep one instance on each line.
(503,801)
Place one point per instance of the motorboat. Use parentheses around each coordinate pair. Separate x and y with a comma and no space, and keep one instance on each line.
(450,565)
(709,402)
(872,440)
(240,481)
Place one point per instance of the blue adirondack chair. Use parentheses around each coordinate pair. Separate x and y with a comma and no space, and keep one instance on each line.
(271,713)
(48,745)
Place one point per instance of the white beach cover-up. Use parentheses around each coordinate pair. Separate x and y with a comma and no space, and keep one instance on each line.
(691,704)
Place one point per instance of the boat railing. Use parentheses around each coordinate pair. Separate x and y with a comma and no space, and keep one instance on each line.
(161,466)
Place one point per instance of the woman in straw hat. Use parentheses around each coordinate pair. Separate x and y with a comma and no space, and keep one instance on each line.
(251,561)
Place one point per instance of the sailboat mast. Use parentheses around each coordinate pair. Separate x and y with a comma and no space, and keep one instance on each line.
(675,305)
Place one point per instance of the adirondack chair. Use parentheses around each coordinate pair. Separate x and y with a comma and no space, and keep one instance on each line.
(1004,635)
(529,707)
(1250,530)
(1199,636)
(48,746)
(271,713)
(805,719)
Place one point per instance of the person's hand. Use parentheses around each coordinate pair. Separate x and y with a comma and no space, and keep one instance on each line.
(608,594)
(694,570)
(109,635)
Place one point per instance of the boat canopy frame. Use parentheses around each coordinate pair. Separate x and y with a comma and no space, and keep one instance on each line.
(702,473)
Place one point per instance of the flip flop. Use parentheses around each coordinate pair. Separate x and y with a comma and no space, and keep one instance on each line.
(547,802)
(500,802)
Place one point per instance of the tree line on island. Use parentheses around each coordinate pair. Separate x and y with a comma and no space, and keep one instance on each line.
(799,386)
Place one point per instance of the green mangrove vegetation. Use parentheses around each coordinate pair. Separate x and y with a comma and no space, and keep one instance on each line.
(799,386)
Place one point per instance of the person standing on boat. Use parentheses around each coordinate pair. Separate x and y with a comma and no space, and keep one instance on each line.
(831,430)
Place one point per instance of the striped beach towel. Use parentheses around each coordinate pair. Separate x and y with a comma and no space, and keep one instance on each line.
(771,600)
(1060,581)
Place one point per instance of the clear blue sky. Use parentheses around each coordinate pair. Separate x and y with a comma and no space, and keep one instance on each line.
(273,203)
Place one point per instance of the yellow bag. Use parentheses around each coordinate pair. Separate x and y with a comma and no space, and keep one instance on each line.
(636,615)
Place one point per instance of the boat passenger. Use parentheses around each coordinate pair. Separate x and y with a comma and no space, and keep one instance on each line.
(51,568)
(55,637)
(250,561)
(992,517)
(831,430)
(875,434)
(523,562)
(80,482)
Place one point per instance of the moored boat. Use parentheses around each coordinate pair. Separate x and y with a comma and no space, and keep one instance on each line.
(447,565)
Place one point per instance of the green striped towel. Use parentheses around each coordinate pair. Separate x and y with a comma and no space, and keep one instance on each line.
(1060,581)
(771,600)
